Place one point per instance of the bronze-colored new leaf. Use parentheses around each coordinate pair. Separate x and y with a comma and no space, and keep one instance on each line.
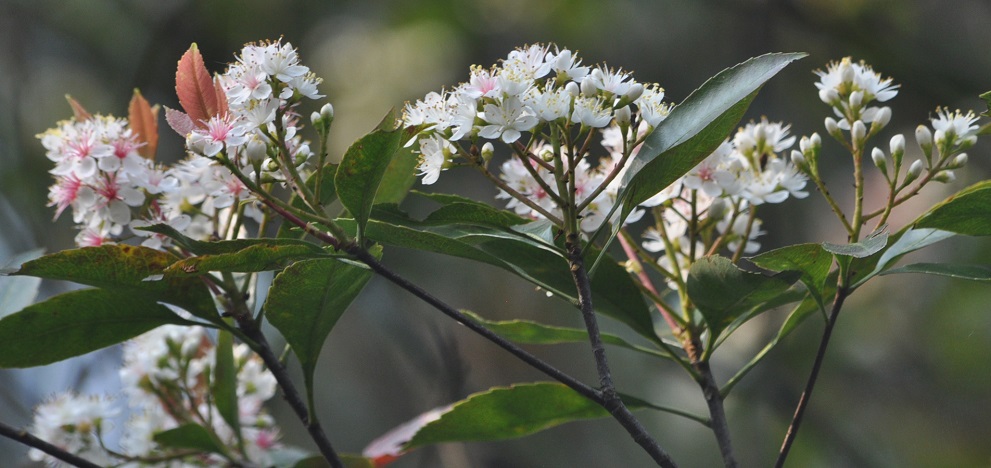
(143,121)
(78,112)
(195,88)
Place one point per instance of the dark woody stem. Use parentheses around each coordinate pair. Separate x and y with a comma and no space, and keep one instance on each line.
(31,440)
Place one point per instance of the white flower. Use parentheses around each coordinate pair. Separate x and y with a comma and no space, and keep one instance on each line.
(76,424)
(615,82)
(566,65)
(549,105)
(955,125)
(434,152)
(651,105)
(591,112)
(506,120)
(737,230)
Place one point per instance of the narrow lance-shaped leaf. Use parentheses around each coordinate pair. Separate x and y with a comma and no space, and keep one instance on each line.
(968,272)
(77,323)
(363,167)
(863,249)
(722,292)
(258,257)
(78,112)
(142,119)
(225,246)
(968,212)
(127,268)
(224,385)
(305,302)
(693,130)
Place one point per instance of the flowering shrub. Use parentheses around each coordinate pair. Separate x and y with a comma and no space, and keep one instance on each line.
(591,156)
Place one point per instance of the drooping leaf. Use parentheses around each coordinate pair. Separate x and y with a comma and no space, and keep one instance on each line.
(723,292)
(305,302)
(865,248)
(529,332)
(968,212)
(224,385)
(190,436)
(364,166)
(986,97)
(456,209)
(256,257)
(811,259)
(969,272)
(614,293)
(77,323)
(194,87)
(509,412)
(142,119)
(693,130)
(906,242)
(230,246)
(130,269)
(78,112)
(18,292)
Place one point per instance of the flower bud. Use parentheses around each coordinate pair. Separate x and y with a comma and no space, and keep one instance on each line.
(798,159)
(959,161)
(588,88)
(925,139)
(846,71)
(829,96)
(832,128)
(897,144)
(880,160)
(636,89)
(945,176)
(572,89)
(256,151)
(856,99)
(914,171)
(816,142)
(315,119)
(327,112)
(939,138)
(487,151)
(717,209)
(882,117)
(623,116)
(858,132)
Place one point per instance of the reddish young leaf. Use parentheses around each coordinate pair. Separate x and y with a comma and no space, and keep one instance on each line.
(195,88)
(143,121)
(222,107)
(80,114)
(179,121)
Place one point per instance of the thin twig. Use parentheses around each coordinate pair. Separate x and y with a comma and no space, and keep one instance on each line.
(31,440)
(713,399)
(803,402)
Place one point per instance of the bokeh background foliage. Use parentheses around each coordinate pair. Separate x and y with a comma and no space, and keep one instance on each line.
(907,381)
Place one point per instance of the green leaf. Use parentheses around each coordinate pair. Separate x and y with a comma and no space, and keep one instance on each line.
(399,177)
(967,212)
(969,272)
(865,248)
(614,293)
(225,246)
(987,100)
(224,385)
(127,268)
(457,209)
(508,412)
(723,292)
(693,130)
(907,241)
(305,302)
(77,323)
(363,168)
(17,293)
(190,436)
(257,257)
(529,332)
(812,260)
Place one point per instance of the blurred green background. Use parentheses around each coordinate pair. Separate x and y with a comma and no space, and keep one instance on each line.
(907,381)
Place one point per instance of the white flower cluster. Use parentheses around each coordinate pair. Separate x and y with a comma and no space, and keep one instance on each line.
(166,378)
(743,172)
(850,87)
(534,86)
(108,185)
